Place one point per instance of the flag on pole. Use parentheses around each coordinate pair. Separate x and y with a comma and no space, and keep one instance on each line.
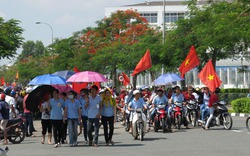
(76,69)
(209,77)
(144,64)
(190,62)
(126,79)
(2,81)
(17,75)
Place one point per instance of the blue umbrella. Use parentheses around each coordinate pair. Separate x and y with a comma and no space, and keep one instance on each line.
(167,78)
(48,79)
(65,73)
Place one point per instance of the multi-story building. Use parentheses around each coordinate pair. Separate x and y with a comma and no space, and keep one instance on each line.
(154,11)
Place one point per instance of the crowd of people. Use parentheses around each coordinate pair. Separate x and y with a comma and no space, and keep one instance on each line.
(71,113)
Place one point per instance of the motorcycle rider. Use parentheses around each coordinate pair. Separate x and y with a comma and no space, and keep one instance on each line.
(159,99)
(212,104)
(137,102)
(4,116)
(178,97)
(11,101)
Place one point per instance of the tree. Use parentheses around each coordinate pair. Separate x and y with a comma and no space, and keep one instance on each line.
(10,37)
(110,43)
(31,48)
(218,30)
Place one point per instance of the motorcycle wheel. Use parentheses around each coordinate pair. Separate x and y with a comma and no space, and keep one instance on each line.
(141,131)
(178,122)
(193,119)
(17,135)
(248,123)
(156,126)
(127,127)
(228,122)
(163,123)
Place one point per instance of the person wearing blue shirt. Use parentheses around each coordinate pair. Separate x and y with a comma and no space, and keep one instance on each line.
(159,99)
(73,113)
(108,116)
(94,112)
(56,106)
(84,98)
(137,102)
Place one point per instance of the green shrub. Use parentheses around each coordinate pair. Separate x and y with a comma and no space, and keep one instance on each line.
(241,105)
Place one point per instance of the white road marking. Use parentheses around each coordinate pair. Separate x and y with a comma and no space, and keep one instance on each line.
(237,131)
(233,114)
(242,115)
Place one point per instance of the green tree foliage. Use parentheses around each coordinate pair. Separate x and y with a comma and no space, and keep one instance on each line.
(31,48)
(10,37)
(218,30)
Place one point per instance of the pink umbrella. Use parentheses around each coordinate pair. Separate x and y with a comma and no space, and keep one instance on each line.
(87,76)
(62,88)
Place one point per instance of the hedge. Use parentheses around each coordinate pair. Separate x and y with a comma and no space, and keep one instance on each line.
(235,90)
(241,105)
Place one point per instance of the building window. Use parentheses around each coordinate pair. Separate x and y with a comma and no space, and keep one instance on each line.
(173,17)
(150,17)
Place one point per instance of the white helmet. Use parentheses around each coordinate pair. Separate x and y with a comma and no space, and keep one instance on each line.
(29,90)
(136,92)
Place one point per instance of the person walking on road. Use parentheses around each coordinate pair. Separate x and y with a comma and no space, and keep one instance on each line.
(94,112)
(56,106)
(73,114)
(4,117)
(108,116)
(45,120)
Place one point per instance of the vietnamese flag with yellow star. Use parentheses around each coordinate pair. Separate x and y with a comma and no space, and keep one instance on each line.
(209,77)
(192,60)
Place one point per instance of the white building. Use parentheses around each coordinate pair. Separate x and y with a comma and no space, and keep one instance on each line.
(153,11)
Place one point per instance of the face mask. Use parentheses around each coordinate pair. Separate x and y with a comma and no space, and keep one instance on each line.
(70,96)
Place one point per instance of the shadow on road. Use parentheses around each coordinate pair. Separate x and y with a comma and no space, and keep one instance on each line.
(153,139)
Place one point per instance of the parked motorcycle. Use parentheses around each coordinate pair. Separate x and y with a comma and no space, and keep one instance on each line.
(139,124)
(192,112)
(176,117)
(15,130)
(160,119)
(221,117)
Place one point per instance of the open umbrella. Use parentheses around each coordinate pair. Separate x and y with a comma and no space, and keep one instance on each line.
(65,73)
(35,98)
(48,79)
(87,76)
(62,88)
(167,78)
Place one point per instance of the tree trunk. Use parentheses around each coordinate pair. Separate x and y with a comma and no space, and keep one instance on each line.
(214,55)
(114,77)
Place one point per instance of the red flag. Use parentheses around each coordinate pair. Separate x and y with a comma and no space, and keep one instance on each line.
(2,81)
(126,79)
(144,63)
(76,69)
(209,77)
(190,62)
(17,75)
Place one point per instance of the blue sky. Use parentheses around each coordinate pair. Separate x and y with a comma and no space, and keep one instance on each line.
(64,16)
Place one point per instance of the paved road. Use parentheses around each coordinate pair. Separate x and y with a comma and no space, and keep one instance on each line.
(190,142)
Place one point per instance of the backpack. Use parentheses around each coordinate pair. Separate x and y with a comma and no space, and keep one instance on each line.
(5,108)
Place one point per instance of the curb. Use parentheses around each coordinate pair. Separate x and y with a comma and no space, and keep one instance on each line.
(240,114)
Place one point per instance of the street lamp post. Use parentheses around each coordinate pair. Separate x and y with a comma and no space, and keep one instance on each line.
(51,32)
(163,21)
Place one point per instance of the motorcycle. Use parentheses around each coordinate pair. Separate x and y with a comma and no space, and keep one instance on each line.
(176,117)
(127,115)
(3,152)
(139,124)
(221,117)
(192,112)
(160,118)
(15,130)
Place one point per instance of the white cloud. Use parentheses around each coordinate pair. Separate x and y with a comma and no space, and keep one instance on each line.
(68,19)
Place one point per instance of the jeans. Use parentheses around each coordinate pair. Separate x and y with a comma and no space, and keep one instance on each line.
(92,121)
(28,123)
(204,111)
(108,121)
(211,109)
(85,127)
(57,130)
(72,128)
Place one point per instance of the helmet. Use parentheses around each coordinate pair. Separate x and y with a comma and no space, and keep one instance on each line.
(2,96)
(136,92)
(7,90)
(29,90)
(13,93)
